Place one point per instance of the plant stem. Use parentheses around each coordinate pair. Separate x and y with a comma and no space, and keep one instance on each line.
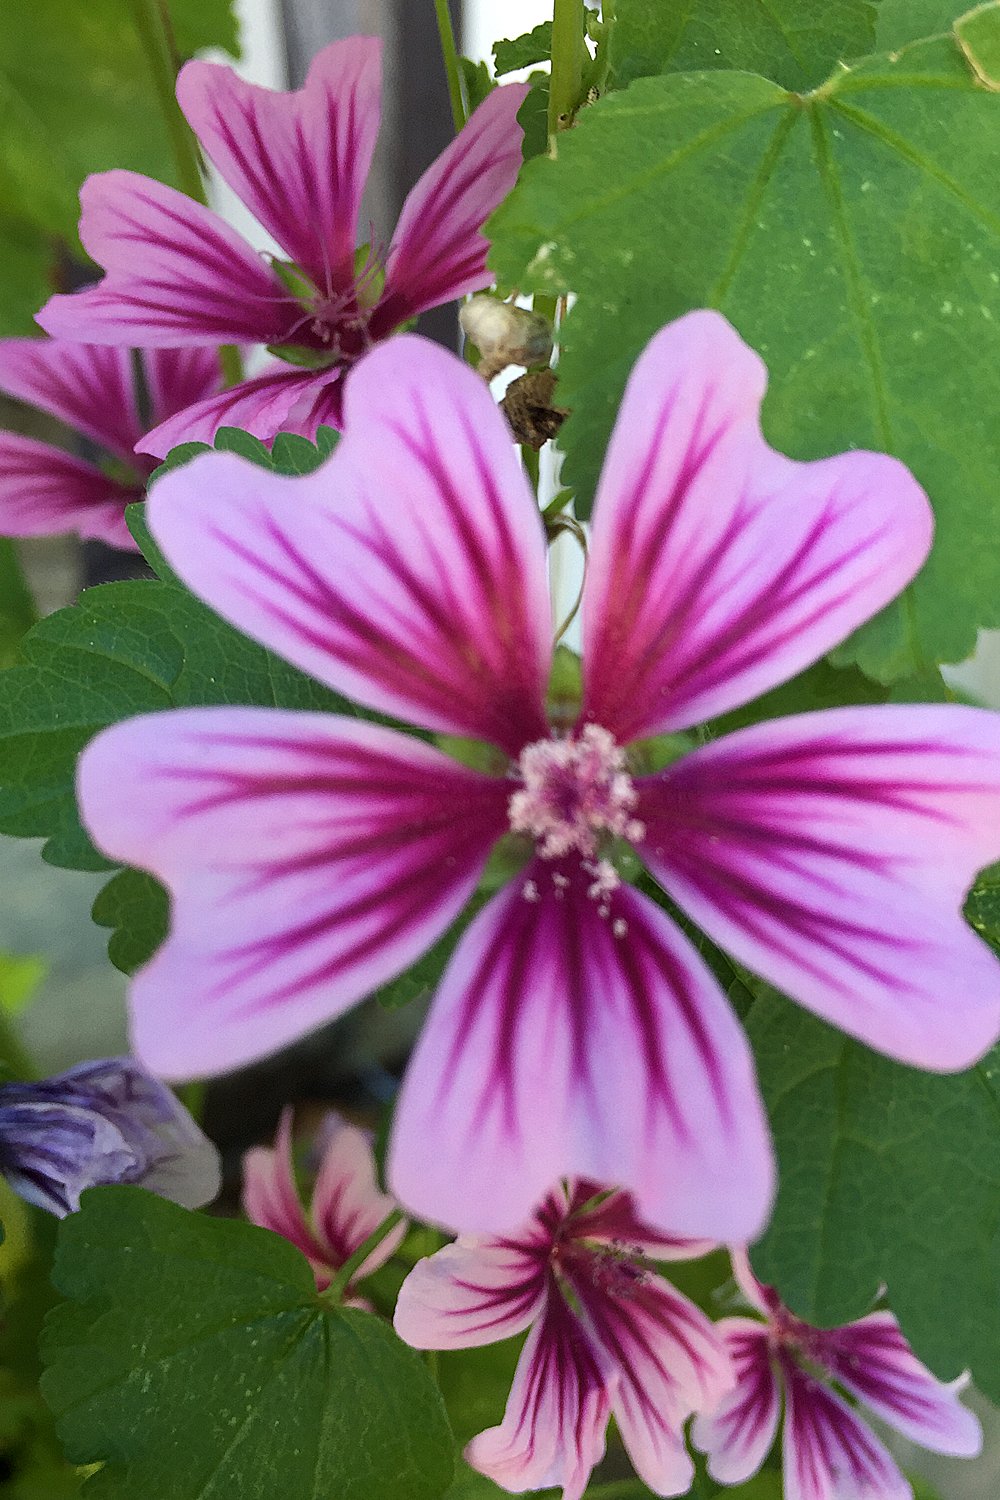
(566,83)
(338,1286)
(152,22)
(449,52)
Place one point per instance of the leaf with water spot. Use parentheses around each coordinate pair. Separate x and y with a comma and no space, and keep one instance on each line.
(852,236)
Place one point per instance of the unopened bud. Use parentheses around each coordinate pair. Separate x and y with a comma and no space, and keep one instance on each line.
(505,334)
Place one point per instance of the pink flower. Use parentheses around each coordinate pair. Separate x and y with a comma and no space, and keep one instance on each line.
(346,1205)
(609,1337)
(44,490)
(829,1452)
(576,1030)
(178,276)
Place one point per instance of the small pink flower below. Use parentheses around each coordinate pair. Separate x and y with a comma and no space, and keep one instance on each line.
(609,1336)
(829,1452)
(346,1205)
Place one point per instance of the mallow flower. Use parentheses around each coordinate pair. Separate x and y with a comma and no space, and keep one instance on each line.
(345,1205)
(609,1336)
(576,1030)
(99,1123)
(178,276)
(828,1450)
(108,396)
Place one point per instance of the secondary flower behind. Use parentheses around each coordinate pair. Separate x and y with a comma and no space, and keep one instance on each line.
(609,1336)
(99,1123)
(345,1206)
(829,1451)
(178,276)
(45,490)
(576,1031)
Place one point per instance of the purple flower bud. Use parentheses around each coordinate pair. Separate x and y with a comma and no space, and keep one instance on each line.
(102,1122)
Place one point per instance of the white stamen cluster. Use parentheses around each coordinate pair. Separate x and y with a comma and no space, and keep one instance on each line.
(574,792)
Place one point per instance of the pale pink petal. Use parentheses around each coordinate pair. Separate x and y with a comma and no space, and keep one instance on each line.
(263,405)
(310,858)
(669,1358)
(178,378)
(45,492)
(615,1221)
(764,1298)
(175,274)
(738,1433)
(873,1361)
(719,568)
(831,853)
(439,251)
(347,1205)
(89,387)
(409,572)
(557,1412)
(829,1452)
(270,1197)
(476,1291)
(564,1042)
(297,160)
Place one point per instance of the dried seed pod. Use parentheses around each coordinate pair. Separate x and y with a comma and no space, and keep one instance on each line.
(505,334)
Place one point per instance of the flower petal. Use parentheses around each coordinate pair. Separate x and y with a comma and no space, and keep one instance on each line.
(45,492)
(89,387)
(557,1412)
(718,568)
(346,1203)
(270,1197)
(408,572)
(178,378)
(561,1042)
(670,1362)
(615,1221)
(476,1291)
(176,273)
(873,1361)
(737,1435)
(310,858)
(439,251)
(829,1452)
(832,852)
(263,405)
(298,160)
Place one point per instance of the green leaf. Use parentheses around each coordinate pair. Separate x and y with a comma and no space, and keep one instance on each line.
(75,98)
(137,908)
(903,21)
(17,608)
(978,34)
(476,82)
(795,42)
(20,976)
(523,51)
(195,1358)
(886,1175)
(982,908)
(533,117)
(853,237)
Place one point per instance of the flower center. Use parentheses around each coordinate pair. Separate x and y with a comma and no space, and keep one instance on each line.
(575,794)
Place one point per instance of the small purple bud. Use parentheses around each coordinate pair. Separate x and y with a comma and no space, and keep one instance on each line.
(102,1122)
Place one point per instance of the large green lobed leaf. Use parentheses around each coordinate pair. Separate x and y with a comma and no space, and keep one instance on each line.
(853,238)
(195,1360)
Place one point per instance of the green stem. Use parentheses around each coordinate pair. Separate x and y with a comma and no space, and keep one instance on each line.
(449,52)
(338,1286)
(152,22)
(566,84)
(531,464)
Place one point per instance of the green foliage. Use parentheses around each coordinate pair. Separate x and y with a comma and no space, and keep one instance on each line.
(137,909)
(75,97)
(903,21)
(20,976)
(887,1175)
(193,1357)
(852,236)
(795,42)
(17,608)
(476,82)
(523,51)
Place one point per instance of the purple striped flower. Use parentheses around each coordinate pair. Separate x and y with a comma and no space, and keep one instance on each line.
(828,1451)
(44,490)
(609,1337)
(102,1122)
(178,276)
(345,1205)
(576,1031)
